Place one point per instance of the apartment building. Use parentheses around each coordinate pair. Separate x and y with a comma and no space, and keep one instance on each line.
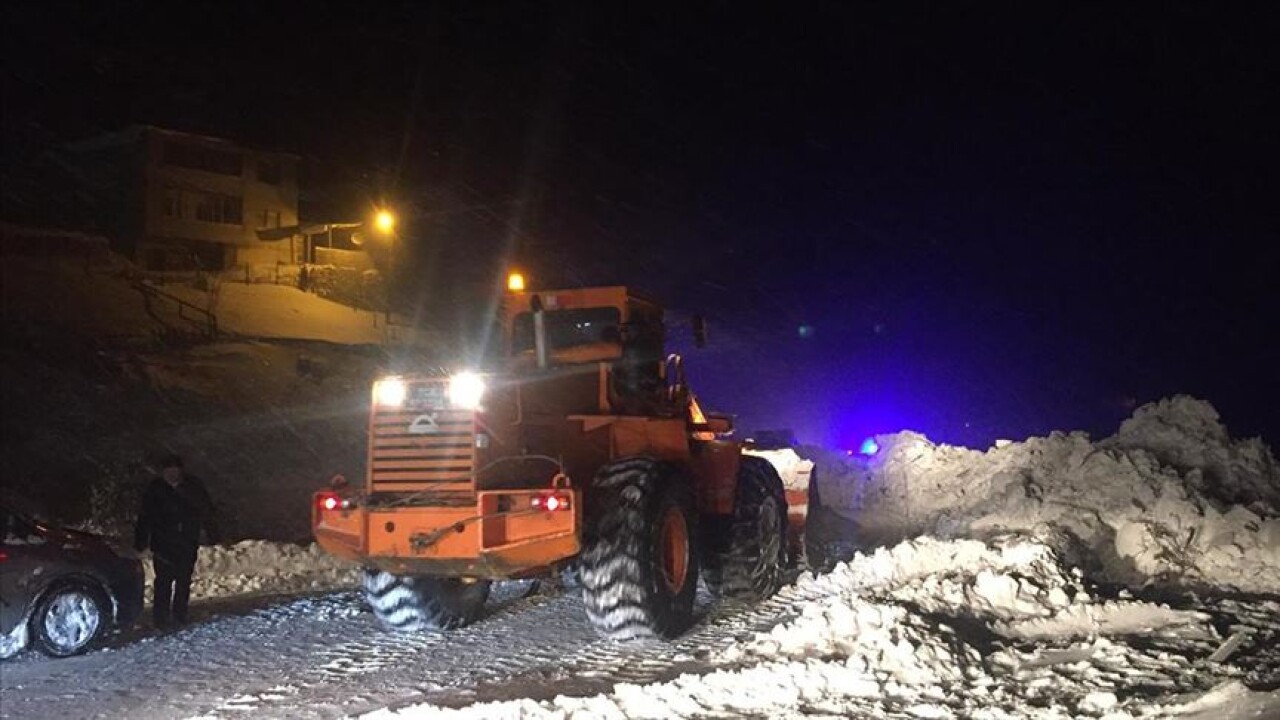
(178,201)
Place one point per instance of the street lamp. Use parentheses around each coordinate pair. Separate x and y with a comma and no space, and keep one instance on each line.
(385,221)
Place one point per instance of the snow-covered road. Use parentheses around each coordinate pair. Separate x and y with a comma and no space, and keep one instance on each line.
(324,656)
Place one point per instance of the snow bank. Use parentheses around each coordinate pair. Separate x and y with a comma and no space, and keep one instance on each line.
(1170,498)
(262,567)
(931,629)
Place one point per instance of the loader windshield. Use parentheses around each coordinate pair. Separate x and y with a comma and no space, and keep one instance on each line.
(568,328)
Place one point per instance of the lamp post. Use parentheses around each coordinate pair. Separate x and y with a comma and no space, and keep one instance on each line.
(384,221)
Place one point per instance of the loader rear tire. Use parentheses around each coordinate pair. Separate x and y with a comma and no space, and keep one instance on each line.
(639,564)
(751,567)
(818,556)
(407,603)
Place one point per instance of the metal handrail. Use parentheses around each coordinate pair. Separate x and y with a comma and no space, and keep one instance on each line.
(203,316)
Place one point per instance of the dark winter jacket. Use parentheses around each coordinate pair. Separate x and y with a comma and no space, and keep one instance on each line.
(170,519)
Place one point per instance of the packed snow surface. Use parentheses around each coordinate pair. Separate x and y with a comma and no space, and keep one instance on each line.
(246,568)
(928,628)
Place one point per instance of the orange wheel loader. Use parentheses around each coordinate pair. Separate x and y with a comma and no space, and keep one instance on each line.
(584,448)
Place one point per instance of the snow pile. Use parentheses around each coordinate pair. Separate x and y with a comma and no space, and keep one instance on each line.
(888,618)
(931,629)
(1015,584)
(1170,498)
(262,567)
(1187,434)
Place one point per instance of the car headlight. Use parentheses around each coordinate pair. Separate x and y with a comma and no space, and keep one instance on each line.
(390,392)
(466,390)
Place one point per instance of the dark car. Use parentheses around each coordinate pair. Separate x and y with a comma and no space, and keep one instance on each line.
(61,589)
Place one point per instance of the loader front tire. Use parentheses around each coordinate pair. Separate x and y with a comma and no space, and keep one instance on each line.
(639,564)
(407,603)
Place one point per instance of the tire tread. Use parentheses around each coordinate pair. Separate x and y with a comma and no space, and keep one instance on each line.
(407,603)
(620,582)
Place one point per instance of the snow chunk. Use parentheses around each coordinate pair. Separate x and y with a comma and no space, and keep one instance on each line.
(1096,703)
(1229,701)
(14,641)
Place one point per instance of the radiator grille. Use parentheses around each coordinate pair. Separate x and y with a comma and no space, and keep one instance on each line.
(421,448)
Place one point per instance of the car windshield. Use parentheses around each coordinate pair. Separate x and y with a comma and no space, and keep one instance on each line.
(567,328)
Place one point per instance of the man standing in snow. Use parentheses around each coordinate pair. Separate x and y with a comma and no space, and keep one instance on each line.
(175,507)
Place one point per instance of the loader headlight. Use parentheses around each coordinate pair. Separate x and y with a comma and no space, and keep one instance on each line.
(390,392)
(466,391)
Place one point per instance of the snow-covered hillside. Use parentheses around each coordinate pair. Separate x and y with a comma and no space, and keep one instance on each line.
(280,311)
(98,382)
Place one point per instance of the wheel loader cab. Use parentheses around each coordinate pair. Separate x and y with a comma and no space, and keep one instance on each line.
(607,326)
(582,326)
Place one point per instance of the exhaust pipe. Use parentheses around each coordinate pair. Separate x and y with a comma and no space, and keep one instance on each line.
(539,333)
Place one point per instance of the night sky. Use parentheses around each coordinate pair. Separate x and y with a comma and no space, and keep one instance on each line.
(977,221)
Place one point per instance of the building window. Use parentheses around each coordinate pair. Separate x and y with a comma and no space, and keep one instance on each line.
(203,157)
(171,203)
(222,209)
(270,219)
(268,171)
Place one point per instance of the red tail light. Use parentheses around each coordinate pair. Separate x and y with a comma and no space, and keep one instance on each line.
(551,503)
(331,501)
